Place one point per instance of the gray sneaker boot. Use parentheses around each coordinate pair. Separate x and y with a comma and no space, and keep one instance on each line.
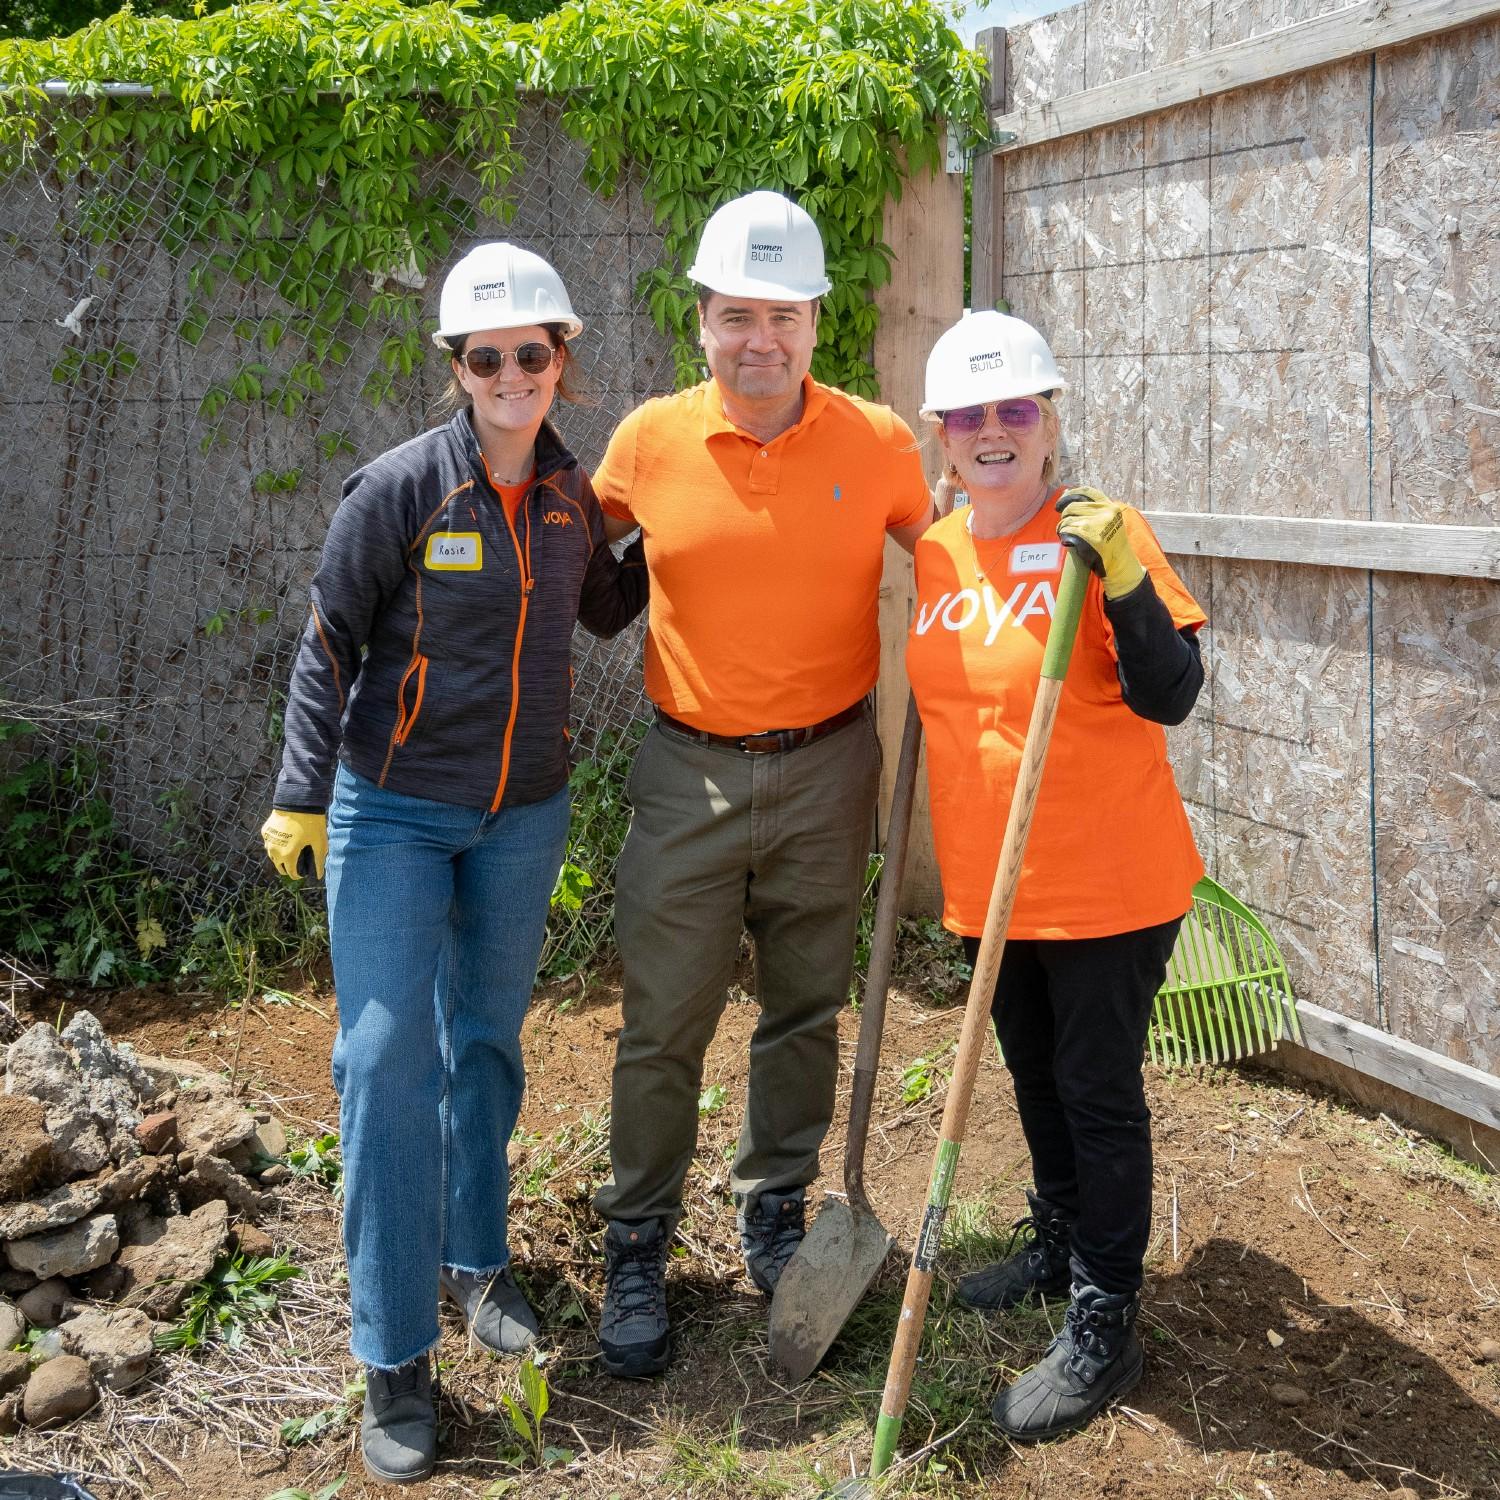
(398,1434)
(1095,1358)
(771,1228)
(494,1308)
(634,1335)
(1038,1267)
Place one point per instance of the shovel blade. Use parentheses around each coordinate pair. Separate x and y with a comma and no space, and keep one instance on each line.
(822,1284)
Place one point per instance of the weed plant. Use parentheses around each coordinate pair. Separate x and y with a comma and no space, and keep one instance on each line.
(236,1292)
(73,899)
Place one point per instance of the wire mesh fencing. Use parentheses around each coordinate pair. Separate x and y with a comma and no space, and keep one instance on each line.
(174,435)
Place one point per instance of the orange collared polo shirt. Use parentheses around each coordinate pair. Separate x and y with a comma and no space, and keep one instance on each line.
(765,558)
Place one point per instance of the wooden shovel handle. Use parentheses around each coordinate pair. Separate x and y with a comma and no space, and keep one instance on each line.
(977,1010)
(882,949)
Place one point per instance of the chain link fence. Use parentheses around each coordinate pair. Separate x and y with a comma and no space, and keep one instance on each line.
(173,442)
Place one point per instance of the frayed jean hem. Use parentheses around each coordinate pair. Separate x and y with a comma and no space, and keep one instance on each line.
(375,1364)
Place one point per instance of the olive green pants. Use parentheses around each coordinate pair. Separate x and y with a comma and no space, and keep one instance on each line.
(721,841)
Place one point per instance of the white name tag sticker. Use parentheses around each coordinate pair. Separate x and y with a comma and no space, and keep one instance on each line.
(1036,557)
(455,552)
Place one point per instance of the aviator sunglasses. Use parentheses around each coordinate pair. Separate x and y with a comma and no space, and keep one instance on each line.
(1018,416)
(486,361)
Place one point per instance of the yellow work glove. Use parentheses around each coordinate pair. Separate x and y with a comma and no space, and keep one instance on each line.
(287,835)
(1099,523)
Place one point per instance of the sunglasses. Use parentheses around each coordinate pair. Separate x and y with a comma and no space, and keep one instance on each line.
(485,361)
(1018,416)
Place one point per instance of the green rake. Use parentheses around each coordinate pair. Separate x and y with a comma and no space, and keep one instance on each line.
(1227,994)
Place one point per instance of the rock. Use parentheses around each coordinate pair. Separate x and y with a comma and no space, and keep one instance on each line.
(10,1415)
(106,1284)
(156,1133)
(209,1122)
(14,1368)
(44,1305)
(265,1146)
(115,1082)
(253,1243)
(64,1205)
(167,1256)
(58,1391)
(1289,1395)
(1489,1351)
(25,1147)
(39,1066)
(130,1182)
(13,1282)
(169,1073)
(276,1174)
(67,1252)
(12,1324)
(213,1177)
(116,1343)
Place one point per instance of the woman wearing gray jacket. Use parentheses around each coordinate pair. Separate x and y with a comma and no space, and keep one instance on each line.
(427,758)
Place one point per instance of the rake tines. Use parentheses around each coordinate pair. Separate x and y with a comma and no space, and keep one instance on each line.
(1227,994)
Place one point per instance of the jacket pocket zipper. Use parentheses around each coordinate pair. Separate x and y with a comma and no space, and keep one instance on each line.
(406,722)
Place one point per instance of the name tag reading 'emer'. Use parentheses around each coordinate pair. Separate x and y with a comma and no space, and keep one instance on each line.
(1036,557)
(455,551)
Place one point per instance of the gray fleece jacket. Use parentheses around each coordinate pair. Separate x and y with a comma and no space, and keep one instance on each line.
(437,655)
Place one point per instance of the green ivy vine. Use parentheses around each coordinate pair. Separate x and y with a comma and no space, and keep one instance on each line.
(297,134)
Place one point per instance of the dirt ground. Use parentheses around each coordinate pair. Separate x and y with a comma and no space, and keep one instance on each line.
(1320,1282)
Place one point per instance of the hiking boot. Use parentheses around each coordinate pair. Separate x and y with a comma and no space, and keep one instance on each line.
(771,1228)
(1039,1266)
(398,1433)
(1095,1358)
(494,1308)
(634,1335)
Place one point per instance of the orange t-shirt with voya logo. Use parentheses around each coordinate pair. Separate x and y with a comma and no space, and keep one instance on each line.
(1110,848)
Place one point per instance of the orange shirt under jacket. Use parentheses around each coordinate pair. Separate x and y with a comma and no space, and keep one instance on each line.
(765,559)
(1110,848)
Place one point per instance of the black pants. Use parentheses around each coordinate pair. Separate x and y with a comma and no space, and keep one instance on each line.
(1072,1018)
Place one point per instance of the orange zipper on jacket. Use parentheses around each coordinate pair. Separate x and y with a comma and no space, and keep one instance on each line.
(527,583)
(405,723)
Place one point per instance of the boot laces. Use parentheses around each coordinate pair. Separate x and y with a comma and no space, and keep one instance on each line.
(1032,1235)
(636,1278)
(402,1381)
(777,1237)
(1091,1345)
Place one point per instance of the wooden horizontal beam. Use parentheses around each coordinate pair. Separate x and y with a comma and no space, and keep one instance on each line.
(1278,54)
(1404,1065)
(1383,546)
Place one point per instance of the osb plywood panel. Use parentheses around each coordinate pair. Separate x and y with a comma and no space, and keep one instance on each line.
(1283,301)
(1435,239)
(1437,811)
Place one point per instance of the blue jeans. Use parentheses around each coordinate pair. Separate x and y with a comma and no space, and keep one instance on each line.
(436,919)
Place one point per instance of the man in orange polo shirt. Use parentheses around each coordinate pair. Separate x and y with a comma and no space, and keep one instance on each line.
(764,499)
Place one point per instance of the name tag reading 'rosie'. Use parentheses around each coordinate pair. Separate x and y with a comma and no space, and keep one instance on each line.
(455,551)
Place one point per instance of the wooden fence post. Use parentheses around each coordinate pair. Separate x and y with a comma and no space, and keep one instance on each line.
(925,230)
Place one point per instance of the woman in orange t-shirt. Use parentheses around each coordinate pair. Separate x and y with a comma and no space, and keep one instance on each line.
(1110,863)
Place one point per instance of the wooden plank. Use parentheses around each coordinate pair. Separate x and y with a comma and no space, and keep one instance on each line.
(987,234)
(1383,546)
(924,297)
(1352,32)
(1404,1065)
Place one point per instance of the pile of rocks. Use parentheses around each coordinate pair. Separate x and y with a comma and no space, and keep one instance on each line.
(123,1178)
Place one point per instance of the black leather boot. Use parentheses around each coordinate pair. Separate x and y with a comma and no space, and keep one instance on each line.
(1095,1358)
(771,1227)
(398,1435)
(1041,1242)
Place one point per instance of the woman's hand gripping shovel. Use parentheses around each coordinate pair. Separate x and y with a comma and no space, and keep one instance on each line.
(908,1338)
(823,1282)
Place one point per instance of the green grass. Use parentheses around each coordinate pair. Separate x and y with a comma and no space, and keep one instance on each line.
(237,1292)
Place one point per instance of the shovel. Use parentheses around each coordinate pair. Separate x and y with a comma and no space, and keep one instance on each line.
(976,1023)
(822,1283)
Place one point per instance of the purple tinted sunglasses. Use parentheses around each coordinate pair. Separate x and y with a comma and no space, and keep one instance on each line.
(1018,416)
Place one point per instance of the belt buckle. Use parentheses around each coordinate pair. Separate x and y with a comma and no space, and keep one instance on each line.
(770,741)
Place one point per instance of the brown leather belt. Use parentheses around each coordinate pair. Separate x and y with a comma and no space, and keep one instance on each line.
(770,740)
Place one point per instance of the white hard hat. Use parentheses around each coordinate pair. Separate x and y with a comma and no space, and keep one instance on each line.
(761,245)
(500,285)
(988,356)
